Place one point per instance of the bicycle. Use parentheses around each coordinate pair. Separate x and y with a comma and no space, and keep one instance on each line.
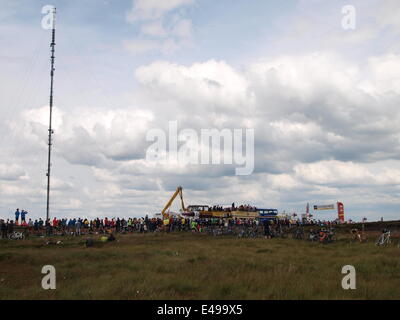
(209,231)
(384,239)
(327,236)
(298,234)
(280,233)
(313,237)
(17,236)
(252,233)
(241,234)
(228,232)
(217,232)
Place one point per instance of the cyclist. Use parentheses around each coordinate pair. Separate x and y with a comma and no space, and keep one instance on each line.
(323,235)
(356,235)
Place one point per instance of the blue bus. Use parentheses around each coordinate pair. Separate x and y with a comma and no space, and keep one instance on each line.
(267,214)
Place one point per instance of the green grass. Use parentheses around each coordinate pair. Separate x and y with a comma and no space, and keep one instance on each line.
(193,266)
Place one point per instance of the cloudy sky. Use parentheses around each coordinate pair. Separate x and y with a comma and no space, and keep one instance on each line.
(323,102)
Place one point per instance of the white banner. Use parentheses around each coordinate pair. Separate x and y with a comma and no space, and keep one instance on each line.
(325,207)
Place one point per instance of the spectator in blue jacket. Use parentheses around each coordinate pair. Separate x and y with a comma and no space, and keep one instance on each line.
(23,214)
(17,213)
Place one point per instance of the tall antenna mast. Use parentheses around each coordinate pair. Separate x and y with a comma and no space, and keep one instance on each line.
(51,132)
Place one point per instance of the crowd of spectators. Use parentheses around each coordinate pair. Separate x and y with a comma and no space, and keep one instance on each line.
(232,208)
(80,226)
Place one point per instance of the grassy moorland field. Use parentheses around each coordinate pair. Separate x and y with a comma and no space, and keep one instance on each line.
(196,266)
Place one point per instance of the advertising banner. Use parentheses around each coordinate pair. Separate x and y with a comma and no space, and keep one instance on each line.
(340,208)
(325,207)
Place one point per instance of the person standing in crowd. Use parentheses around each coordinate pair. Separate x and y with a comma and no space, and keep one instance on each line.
(23,215)
(118,225)
(10,227)
(48,228)
(36,227)
(17,213)
(3,229)
(55,222)
(267,230)
(78,227)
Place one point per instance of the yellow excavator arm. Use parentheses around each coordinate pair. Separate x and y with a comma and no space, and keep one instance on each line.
(168,205)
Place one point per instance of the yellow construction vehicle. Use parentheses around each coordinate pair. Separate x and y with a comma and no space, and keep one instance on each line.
(168,205)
